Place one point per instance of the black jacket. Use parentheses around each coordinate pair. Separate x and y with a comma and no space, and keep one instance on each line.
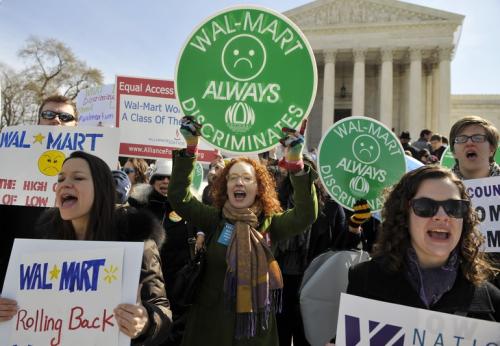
(373,280)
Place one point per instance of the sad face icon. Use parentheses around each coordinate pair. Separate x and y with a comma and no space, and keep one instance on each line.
(243,57)
(366,149)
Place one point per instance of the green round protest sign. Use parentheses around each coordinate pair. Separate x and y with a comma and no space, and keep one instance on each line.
(359,157)
(245,73)
(197,176)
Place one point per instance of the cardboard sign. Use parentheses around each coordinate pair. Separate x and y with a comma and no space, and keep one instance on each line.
(32,156)
(359,157)
(369,322)
(245,73)
(149,117)
(96,106)
(66,291)
(485,197)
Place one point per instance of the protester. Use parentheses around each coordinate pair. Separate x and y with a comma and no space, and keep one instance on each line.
(122,186)
(428,252)
(85,210)
(437,146)
(18,221)
(214,169)
(404,138)
(295,254)
(423,140)
(136,170)
(58,110)
(474,142)
(426,158)
(227,310)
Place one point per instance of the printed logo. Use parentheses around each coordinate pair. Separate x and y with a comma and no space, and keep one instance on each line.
(378,333)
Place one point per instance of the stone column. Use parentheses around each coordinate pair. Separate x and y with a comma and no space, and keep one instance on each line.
(444,91)
(386,87)
(428,96)
(415,116)
(328,91)
(358,84)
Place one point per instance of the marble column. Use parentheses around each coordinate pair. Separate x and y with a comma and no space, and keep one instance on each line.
(415,116)
(428,96)
(358,85)
(328,91)
(444,91)
(386,87)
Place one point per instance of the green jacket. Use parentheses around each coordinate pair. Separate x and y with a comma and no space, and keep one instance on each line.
(209,321)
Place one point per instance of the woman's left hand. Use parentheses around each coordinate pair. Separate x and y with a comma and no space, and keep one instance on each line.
(294,144)
(132,319)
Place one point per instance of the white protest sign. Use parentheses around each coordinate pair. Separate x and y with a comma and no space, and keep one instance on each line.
(485,197)
(96,106)
(66,291)
(370,322)
(32,156)
(148,115)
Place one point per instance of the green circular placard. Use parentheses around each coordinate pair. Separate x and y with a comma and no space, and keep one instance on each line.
(197,176)
(245,73)
(448,161)
(359,157)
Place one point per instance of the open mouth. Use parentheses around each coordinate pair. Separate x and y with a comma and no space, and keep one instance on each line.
(438,235)
(471,154)
(68,200)
(240,195)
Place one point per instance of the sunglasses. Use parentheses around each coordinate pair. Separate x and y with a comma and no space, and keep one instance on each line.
(475,138)
(64,117)
(128,170)
(426,207)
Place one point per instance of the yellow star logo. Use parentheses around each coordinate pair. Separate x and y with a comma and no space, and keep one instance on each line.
(54,273)
(110,274)
(38,138)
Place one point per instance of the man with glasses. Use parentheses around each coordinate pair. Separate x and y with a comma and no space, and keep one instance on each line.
(474,142)
(58,110)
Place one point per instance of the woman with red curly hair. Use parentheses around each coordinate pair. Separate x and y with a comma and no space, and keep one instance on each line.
(240,287)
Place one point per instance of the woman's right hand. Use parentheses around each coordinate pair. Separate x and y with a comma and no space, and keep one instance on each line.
(8,309)
(190,130)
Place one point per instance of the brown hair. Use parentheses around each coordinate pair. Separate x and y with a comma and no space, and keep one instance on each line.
(141,167)
(58,99)
(394,236)
(489,128)
(266,190)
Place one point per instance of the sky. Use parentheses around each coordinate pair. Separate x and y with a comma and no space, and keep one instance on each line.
(143,38)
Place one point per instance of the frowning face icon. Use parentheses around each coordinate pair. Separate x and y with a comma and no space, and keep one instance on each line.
(243,57)
(366,149)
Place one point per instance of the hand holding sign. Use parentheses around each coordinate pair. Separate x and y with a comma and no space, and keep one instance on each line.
(362,213)
(8,308)
(294,144)
(190,130)
(132,319)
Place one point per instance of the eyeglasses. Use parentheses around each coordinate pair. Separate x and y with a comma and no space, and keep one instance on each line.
(64,117)
(427,207)
(475,138)
(128,170)
(245,179)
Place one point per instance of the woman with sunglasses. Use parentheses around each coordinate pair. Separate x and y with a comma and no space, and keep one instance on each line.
(428,251)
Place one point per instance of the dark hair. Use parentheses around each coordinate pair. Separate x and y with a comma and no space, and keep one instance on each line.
(489,128)
(425,132)
(394,236)
(436,137)
(59,99)
(266,190)
(101,224)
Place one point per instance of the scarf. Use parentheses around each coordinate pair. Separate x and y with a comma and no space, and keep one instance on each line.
(431,283)
(253,280)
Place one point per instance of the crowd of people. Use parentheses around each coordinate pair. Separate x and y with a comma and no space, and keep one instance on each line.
(260,223)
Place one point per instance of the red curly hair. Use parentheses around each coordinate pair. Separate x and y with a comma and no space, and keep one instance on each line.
(266,187)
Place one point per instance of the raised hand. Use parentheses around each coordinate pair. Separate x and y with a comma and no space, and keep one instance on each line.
(294,144)
(190,130)
(8,309)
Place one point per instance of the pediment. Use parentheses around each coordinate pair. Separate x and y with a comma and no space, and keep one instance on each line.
(328,13)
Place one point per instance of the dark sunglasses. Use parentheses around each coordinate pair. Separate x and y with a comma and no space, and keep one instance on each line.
(426,207)
(64,117)
(475,138)
(128,170)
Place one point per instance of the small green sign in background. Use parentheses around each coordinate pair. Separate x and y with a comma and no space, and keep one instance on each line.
(197,176)
(359,157)
(245,73)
